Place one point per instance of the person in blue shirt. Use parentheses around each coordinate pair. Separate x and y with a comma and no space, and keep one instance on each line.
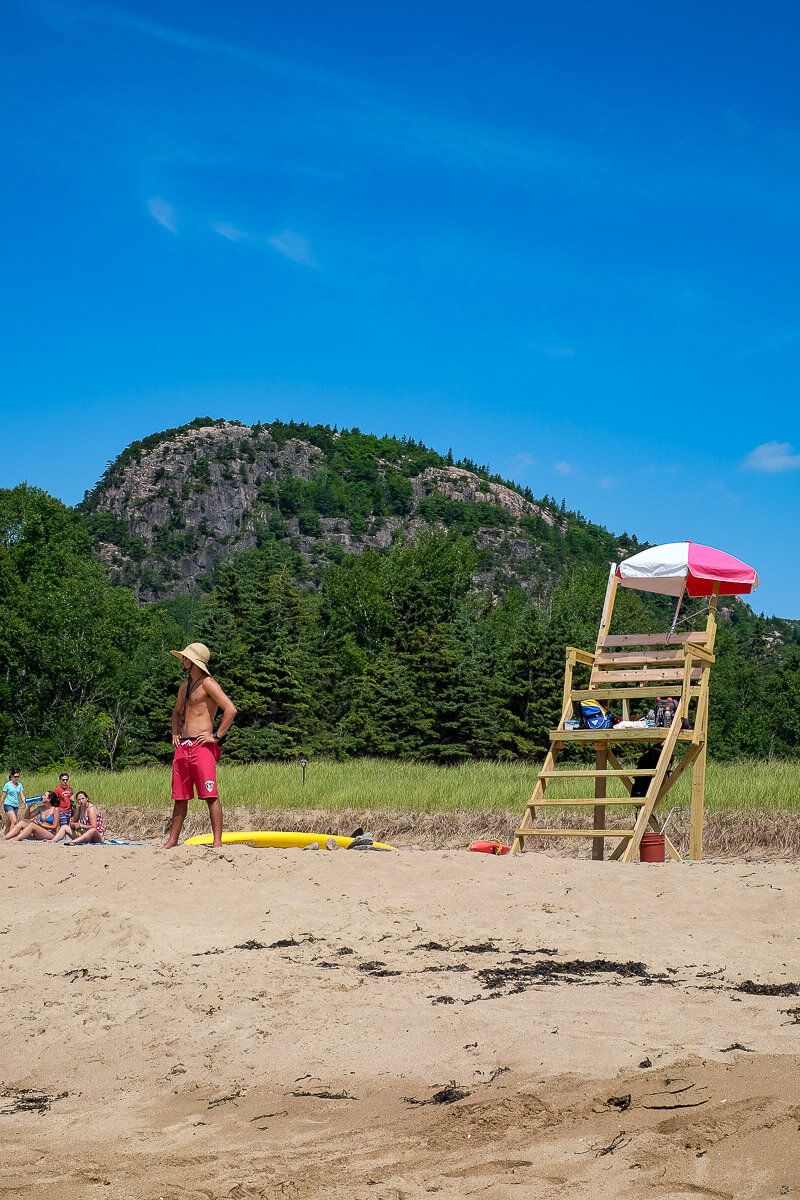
(13,794)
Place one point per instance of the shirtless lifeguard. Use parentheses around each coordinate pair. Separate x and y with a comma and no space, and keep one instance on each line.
(197,746)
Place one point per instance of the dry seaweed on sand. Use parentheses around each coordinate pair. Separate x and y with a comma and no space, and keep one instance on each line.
(252,944)
(324,1095)
(283,1112)
(620,1140)
(676,1093)
(487,947)
(445,1095)
(497,1072)
(75,974)
(234,1095)
(436,967)
(475,948)
(767,989)
(26,1100)
(513,978)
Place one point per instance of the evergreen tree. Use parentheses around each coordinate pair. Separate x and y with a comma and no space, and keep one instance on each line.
(258,619)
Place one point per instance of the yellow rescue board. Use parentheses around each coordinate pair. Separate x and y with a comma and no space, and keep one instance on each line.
(280,841)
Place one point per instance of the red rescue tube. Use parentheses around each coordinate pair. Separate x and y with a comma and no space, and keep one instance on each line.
(490,847)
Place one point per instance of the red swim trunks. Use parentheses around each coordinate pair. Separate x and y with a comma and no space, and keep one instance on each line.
(195,767)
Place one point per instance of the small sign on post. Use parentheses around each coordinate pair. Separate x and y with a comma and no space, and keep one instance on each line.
(303,765)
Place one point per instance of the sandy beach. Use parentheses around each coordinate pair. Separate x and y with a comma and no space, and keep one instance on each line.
(288,1024)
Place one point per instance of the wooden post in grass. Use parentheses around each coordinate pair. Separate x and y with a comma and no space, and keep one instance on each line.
(698,793)
(701,739)
(601,764)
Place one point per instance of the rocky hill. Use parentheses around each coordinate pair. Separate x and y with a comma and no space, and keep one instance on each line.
(171,507)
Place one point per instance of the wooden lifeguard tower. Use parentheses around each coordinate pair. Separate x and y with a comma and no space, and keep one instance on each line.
(630,671)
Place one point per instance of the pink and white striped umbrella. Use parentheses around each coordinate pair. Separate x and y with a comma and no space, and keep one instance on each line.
(676,566)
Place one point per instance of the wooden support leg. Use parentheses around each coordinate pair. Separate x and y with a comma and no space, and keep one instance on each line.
(698,797)
(600,759)
(654,792)
(669,783)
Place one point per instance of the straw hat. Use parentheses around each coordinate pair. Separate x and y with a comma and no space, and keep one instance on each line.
(197,653)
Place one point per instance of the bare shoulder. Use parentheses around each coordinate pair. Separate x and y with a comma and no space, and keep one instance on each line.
(212,688)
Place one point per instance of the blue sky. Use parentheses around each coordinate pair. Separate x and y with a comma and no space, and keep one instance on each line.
(560,239)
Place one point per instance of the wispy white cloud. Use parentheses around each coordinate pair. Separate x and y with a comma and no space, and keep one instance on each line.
(662,469)
(163,213)
(288,243)
(292,246)
(606,482)
(772,458)
(551,351)
(720,491)
(231,233)
(522,461)
(283,67)
(345,106)
(774,342)
(564,468)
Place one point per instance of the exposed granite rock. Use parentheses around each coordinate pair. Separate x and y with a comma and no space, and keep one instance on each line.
(174,506)
(207,481)
(456,483)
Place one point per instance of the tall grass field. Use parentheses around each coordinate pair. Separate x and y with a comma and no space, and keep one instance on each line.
(749,785)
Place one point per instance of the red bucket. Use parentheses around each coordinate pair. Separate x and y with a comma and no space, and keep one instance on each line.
(652,848)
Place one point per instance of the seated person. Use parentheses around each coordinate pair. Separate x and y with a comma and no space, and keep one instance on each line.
(87,824)
(43,828)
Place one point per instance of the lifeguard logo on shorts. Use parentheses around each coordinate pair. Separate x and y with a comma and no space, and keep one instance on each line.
(209,785)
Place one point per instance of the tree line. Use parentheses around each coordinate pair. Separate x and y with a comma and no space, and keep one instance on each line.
(391,654)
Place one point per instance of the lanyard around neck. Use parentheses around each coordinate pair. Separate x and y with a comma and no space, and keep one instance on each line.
(190,684)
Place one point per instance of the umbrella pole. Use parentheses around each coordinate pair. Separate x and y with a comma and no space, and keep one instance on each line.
(608,604)
(677,610)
